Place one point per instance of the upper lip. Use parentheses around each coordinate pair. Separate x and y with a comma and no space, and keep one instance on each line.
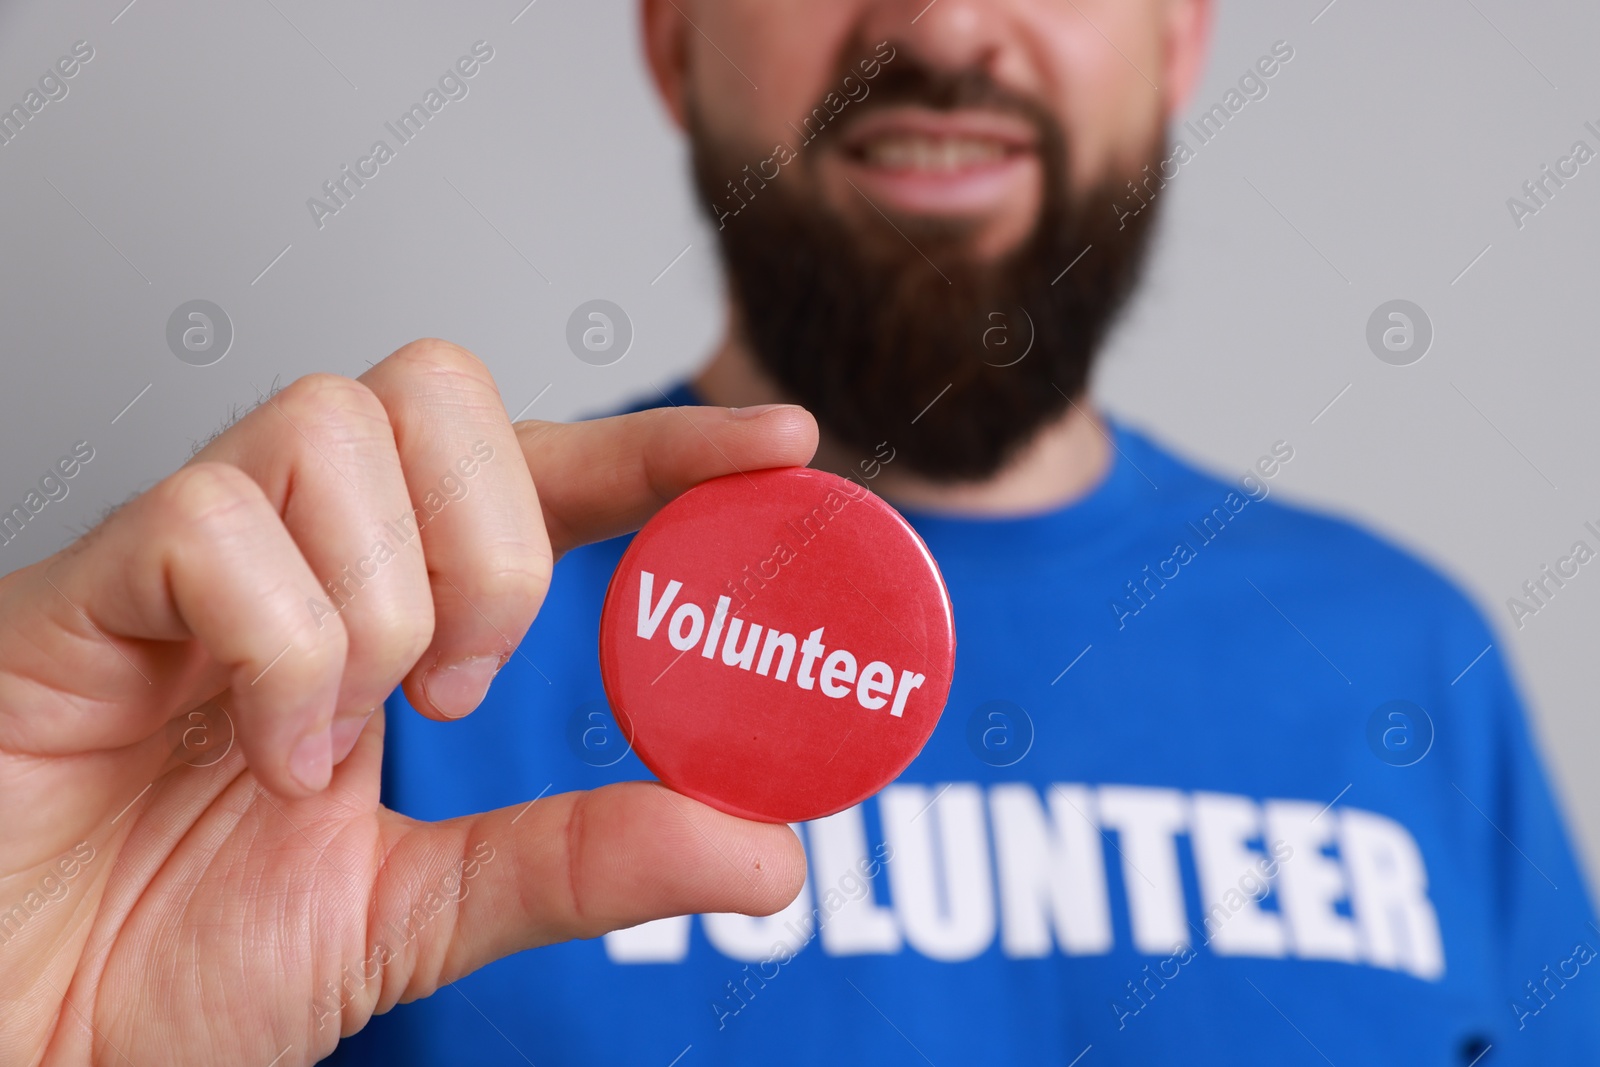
(1010,131)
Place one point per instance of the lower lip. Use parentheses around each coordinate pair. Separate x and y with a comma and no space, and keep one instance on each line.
(972,190)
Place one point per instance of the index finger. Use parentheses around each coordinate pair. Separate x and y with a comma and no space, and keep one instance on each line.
(606,477)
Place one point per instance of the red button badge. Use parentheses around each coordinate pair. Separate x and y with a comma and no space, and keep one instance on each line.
(777,644)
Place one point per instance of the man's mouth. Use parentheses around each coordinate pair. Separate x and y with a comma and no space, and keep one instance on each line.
(918,161)
(915,152)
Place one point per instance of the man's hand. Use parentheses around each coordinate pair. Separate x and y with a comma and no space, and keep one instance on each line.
(194,867)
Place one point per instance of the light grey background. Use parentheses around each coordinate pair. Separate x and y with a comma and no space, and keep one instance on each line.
(179,165)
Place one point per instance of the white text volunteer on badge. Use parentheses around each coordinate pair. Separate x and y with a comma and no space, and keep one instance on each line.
(874,684)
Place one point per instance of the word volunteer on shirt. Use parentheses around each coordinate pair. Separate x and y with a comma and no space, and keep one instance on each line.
(1277,878)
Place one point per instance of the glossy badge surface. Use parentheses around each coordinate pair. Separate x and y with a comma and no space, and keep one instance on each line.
(778,644)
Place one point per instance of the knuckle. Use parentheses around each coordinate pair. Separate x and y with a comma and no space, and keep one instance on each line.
(504,579)
(436,350)
(331,406)
(202,496)
(522,579)
(397,638)
(322,645)
(442,365)
(574,838)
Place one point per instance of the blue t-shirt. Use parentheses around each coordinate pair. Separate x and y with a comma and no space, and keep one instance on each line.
(1219,779)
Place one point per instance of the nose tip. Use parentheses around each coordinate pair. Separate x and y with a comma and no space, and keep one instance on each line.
(948,34)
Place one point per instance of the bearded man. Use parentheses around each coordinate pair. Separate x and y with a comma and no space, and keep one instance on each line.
(1157,818)
(1218,778)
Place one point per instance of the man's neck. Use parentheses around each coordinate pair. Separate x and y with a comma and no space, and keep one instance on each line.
(1063,462)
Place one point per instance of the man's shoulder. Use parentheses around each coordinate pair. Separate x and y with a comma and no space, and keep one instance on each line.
(1249,517)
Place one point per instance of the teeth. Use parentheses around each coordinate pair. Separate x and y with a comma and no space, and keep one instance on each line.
(934,154)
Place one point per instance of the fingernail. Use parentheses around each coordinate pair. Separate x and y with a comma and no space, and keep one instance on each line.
(755,412)
(311,762)
(345,732)
(457,689)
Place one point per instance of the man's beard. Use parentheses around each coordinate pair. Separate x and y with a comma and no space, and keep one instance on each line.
(905,339)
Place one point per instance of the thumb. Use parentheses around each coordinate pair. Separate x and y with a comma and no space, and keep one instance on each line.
(576,865)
